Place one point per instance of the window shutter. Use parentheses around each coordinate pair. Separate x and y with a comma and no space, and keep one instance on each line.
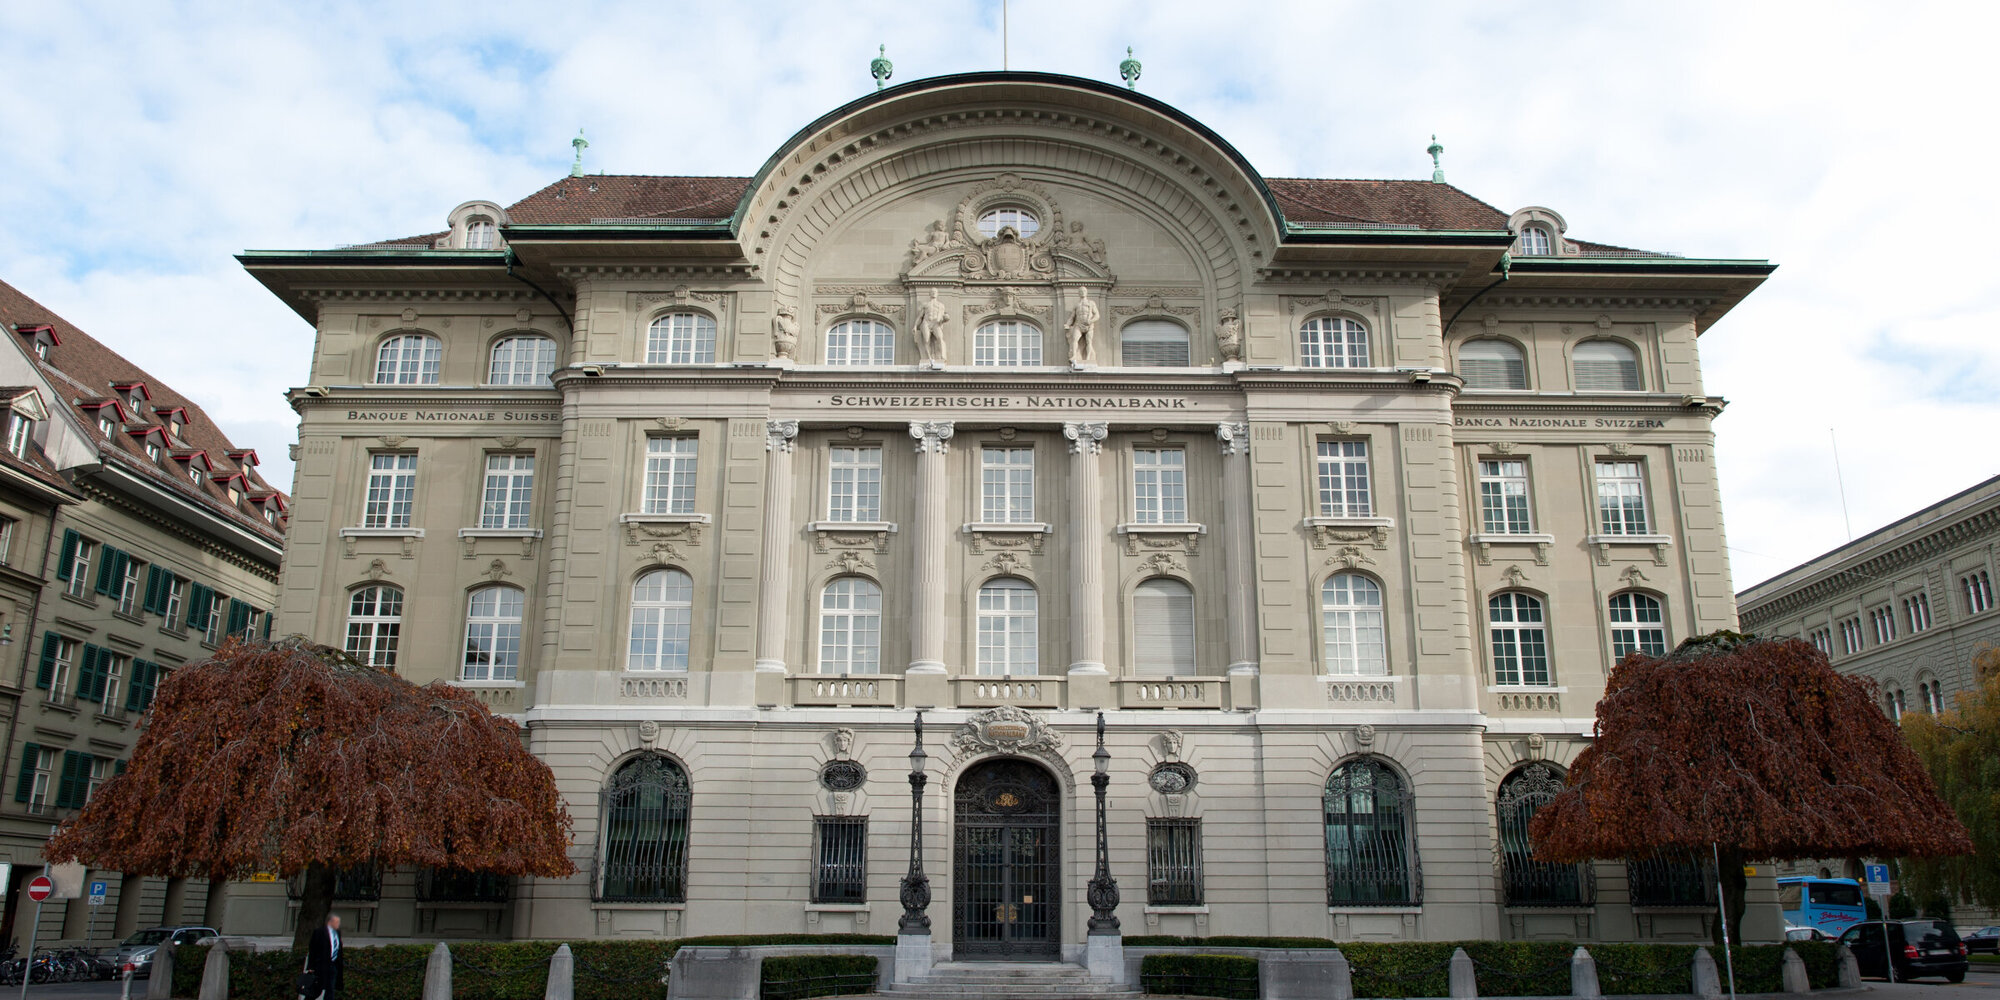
(153,588)
(70,538)
(267,626)
(51,642)
(198,601)
(1163,623)
(105,556)
(118,768)
(24,786)
(89,685)
(239,616)
(74,766)
(138,691)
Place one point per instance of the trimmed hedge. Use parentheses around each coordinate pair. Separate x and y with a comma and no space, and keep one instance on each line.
(1400,968)
(1230,976)
(797,977)
(1170,941)
(1627,969)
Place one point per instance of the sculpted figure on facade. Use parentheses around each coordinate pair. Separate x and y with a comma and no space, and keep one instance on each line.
(1082,330)
(784,332)
(929,330)
(1229,336)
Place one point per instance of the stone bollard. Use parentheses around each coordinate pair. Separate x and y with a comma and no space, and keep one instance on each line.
(562,973)
(215,975)
(1583,976)
(1707,983)
(1341,976)
(1464,983)
(1795,978)
(437,974)
(1847,969)
(161,986)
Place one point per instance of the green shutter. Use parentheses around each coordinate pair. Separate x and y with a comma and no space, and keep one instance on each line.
(86,673)
(75,785)
(70,538)
(199,598)
(145,678)
(239,616)
(153,588)
(24,786)
(268,615)
(105,556)
(118,768)
(51,644)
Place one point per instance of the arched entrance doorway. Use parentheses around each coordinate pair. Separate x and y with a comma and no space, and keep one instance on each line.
(1006,870)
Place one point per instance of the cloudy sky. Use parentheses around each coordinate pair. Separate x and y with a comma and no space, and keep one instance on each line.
(145,143)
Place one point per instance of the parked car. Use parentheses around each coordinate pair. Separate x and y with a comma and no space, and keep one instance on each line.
(136,953)
(1984,939)
(1806,934)
(1917,948)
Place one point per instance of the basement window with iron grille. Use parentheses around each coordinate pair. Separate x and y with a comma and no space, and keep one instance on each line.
(1173,862)
(840,847)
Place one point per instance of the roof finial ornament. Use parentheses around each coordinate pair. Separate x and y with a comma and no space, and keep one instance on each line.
(1129,70)
(1437,168)
(880,66)
(581,144)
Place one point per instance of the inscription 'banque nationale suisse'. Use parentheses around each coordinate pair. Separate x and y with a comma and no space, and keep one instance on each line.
(1619,423)
(977,402)
(457,416)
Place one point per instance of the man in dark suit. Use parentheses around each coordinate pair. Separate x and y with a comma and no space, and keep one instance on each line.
(324,960)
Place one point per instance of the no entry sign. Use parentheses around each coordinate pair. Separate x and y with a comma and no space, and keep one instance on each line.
(39,888)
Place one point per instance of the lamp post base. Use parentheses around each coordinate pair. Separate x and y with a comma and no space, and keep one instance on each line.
(1104,957)
(913,957)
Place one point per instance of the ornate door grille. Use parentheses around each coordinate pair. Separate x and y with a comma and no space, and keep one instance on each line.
(1369,858)
(644,810)
(1525,881)
(1006,871)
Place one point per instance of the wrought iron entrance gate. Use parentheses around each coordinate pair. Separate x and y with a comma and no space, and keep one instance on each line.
(1006,873)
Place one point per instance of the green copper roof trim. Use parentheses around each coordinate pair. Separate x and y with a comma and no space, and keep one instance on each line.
(1609,265)
(715,229)
(380,253)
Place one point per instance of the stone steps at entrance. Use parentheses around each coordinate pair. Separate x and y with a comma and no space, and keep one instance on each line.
(1004,980)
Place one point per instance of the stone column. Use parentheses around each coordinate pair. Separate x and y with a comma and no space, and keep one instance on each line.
(930,536)
(131,891)
(1238,535)
(774,599)
(1086,547)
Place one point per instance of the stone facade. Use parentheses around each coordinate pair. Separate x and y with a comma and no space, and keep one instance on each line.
(1174,323)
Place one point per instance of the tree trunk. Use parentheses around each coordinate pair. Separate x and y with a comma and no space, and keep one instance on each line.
(1730,872)
(315,903)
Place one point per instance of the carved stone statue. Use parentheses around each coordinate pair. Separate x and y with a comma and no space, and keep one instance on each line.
(929,330)
(784,332)
(843,741)
(1229,336)
(1082,329)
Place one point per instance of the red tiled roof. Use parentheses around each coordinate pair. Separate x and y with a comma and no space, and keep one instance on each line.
(81,366)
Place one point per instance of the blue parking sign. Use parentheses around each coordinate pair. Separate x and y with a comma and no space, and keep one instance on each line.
(1878,880)
(97,891)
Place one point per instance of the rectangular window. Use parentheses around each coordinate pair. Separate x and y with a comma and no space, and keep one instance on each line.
(216,627)
(58,656)
(1159,486)
(508,494)
(102,769)
(74,782)
(128,593)
(7,540)
(1850,635)
(840,874)
(38,778)
(854,489)
(79,566)
(110,682)
(1621,498)
(1917,612)
(1343,479)
(1007,485)
(1173,862)
(1978,592)
(175,598)
(392,488)
(1822,639)
(1503,497)
(670,475)
(1882,622)
(20,431)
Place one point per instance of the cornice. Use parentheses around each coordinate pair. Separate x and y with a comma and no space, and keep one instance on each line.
(314,397)
(743,272)
(1594,300)
(1429,278)
(393,294)
(1649,403)
(125,505)
(1871,571)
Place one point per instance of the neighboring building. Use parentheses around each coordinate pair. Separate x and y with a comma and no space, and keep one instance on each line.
(1907,605)
(135,539)
(712,482)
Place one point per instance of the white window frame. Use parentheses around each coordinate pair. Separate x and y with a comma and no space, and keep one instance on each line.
(375,625)
(176,600)
(1917,611)
(661,635)
(1621,497)
(521,359)
(1518,644)
(128,588)
(1159,485)
(1007,343)
(1342,477)
(1638,624)
(507,496)
(1353,636)
(1535,241)
(1978,589)
(79,567)
(7,525)
(102,769)
(409,359)
(392,490)
(106,424)
(113,666)
(59,674)
(850,626)
(1599,374)
(213,632)
(492,634)
(854,484)
(1822,640)
(857,342)
(1008,628)
(481,233)
(671,464)
(1882,623)
(1024,222)
(1007,484)
(1850,635)
(1504,507)
(44,781)
(1333,342)
(681,338)
(20,431)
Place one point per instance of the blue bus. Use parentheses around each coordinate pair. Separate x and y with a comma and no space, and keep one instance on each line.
(1830,904)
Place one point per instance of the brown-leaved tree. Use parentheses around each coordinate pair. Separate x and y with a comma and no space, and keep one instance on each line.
(294,758)
(1961,749)
(1752,748)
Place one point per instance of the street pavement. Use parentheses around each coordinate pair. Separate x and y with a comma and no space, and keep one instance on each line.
(75,991)
(1983,981)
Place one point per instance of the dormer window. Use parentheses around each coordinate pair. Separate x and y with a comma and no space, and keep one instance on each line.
(20,431)
(1538,232)
(1534,242)
(194,475)
(153,450)
(106,424)
(480,233)
(41,337)
(474,225)
(271,515)
(42,349)
(233,495)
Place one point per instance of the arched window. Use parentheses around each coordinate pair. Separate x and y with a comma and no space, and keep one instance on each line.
(1153,343)
(493,635)
(522,361)
(1605,366)
(1534,241)
(681,339)
(1525,881)
(1007,342)
(1022,220)
(1351,625)
(409,359)
(375,625)
(850,627)
(480,233)
(1492,364)
(1369,859)
(1520,640)
(1333,342)
(1007,627)
(1163,627)
(644,812)
(860,342)
(662,621)
(1637,626)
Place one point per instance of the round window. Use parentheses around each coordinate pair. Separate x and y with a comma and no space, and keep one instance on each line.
(1019,219)
(1171,779)
(842,776)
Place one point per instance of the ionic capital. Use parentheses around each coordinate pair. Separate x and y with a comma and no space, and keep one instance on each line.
(1086,438)
(779,435)
(933,436)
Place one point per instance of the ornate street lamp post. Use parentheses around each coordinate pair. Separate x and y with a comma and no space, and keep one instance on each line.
(1103,890)
(917,885)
